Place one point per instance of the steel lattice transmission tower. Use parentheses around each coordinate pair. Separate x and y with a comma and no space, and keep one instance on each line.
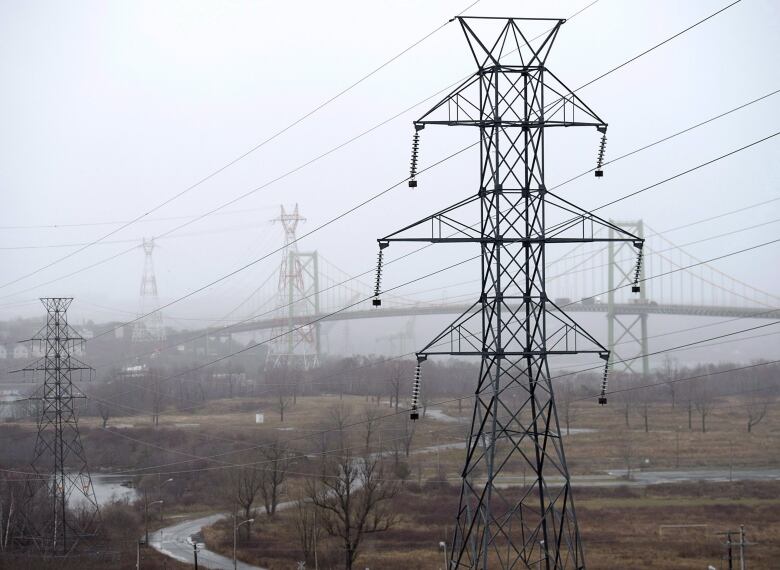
(296,343)
(62,509)
(149,328)
(631,325)
(512,99)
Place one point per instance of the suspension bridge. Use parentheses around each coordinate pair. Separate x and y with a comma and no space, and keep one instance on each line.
(289,306)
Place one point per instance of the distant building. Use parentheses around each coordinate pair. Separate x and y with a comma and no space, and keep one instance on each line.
(3,352)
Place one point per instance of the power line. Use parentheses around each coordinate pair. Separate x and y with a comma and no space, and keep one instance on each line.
(683,173)
(559,376)
(333,149)
(342,309)
(656,46)
(673,135)
(238,158)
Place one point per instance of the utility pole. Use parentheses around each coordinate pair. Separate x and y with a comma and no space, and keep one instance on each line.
(742,544)
(59,461)
(513,327)
(730,544)
(195,553)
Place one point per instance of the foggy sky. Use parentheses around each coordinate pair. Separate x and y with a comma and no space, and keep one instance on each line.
(111,107)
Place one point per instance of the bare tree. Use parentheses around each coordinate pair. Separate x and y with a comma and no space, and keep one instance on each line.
(370,420)
(157,395)
(703,402)
(283,401)
(307,529)
(669,374)
(353,498)
(643,406)
(339,416)
(104,410)
(273,473)
(564,398)
(756,411)
(245,484)
(395,385)
(625,402)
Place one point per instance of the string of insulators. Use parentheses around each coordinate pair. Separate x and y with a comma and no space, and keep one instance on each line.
(377,302)
(414,415)
(603,393)
(635,288)
(600,159)
(413,169)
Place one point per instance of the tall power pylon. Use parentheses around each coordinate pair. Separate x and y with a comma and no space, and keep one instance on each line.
(512,327)
(296,343)
(631,325)
(149,328)
(62,508)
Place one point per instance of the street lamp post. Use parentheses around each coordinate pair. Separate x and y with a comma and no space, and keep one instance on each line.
(235,537)
(159,494)
(443,547)
(146,518)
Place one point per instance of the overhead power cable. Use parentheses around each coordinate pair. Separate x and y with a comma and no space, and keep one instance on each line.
(329,315)
(239,157)
(375,196)
(329,152)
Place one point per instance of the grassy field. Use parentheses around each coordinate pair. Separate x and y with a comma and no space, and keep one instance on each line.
(621,528)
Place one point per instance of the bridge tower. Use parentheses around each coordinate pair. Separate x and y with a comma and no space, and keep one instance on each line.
(296,343)
(512,327)
(61,508)
(149,328)
(629,324)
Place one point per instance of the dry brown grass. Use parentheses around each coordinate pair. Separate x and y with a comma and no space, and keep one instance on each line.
(621,529)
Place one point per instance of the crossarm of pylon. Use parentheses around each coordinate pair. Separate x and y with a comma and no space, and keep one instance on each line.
(568,326)
(586,222)
(453,335)
(563,96)
(457,97)
(441,222)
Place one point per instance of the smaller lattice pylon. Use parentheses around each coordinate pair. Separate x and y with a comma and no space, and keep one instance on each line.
(60,509)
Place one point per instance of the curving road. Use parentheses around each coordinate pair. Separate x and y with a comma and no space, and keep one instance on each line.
(172,541)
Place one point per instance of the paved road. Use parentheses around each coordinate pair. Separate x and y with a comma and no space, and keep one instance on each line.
(174,542)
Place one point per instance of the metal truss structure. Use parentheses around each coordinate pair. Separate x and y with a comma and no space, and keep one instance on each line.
(513,327)
(630,322)
(61,508)
(294,344)
(149,328)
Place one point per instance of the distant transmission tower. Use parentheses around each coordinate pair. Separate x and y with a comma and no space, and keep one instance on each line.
(513,327)
(296,343)
(629,324)
(62,509)
(149,328)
